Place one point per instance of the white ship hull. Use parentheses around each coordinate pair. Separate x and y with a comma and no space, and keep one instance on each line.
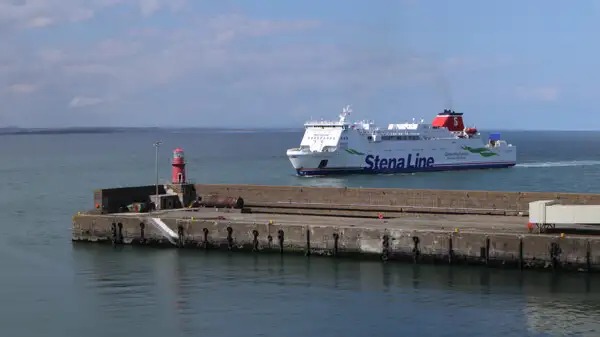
(338,147)
(420,156)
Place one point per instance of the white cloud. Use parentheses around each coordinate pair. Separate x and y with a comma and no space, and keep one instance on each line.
(40,21)
(218,63)
(79,101)
(43,13)
(134,63)
(23,88)
(149,7)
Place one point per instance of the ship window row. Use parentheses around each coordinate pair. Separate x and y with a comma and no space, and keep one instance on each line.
(400,137)
(326,127)
(315,138)
(413,150)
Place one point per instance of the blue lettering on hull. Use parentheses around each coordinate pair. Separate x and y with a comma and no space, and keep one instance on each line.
(411,163)
(365,170)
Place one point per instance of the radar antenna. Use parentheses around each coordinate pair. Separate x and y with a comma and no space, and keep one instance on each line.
(347,110)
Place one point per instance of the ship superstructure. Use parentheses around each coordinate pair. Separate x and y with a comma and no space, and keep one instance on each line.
(341,147)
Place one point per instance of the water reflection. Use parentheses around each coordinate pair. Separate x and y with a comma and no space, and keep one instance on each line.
(185,292)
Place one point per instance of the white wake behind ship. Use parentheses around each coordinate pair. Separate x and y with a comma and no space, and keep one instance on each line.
(341,147)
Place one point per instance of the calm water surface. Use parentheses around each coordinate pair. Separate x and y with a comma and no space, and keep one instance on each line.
(51,287)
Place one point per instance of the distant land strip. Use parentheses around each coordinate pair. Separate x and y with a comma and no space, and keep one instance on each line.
(108,130)
(57,131)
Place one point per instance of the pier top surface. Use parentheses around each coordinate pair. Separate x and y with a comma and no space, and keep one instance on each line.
(442,222)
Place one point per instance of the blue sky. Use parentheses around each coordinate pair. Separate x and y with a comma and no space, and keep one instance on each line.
(508,65)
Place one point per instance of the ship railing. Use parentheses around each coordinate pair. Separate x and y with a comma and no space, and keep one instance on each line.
(300,149)
(322,123)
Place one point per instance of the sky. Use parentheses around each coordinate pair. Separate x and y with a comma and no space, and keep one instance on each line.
(510,64)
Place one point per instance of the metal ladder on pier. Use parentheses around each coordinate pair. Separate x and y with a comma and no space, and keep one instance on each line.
(164,229)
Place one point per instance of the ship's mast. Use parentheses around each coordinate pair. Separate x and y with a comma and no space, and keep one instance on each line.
(345,113)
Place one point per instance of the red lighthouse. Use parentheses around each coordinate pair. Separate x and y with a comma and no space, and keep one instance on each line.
(178,164)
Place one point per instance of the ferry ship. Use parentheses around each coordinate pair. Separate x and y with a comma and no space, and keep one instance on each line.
(340,147)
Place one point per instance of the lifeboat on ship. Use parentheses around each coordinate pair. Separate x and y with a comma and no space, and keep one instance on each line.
(471,131)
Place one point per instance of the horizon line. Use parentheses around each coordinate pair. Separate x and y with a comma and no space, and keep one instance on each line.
(18,129)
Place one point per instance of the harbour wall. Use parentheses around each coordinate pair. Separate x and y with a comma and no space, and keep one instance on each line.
(505,249)
(475,239)
(512,201)
(415,200)
(110,200)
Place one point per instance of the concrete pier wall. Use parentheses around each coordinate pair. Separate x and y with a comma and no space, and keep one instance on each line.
(109,200)
(373,199)
(518,249)
(513,202)
(492,239)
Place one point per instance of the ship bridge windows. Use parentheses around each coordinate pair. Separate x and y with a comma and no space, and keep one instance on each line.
(325,138)
(325,126)
(401,137)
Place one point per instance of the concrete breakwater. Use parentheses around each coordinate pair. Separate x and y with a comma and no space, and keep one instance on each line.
(419,225)
(452,239)
(375,199)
